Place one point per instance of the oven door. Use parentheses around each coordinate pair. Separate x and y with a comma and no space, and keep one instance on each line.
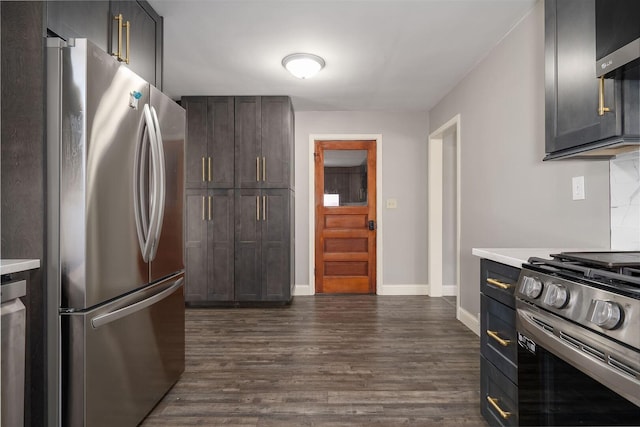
(566,374)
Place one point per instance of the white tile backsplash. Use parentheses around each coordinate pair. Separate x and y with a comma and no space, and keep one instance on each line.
(625,201)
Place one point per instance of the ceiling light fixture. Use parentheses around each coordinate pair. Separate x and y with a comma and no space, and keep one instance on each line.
(303,65)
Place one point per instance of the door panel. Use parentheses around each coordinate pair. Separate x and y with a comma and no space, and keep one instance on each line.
(170,254)
(275,244)
(248,245)
(248,155)
(196,246)
(221,141)
(345,204)
(196,140)
(276,141)
(221,236)
(99,243)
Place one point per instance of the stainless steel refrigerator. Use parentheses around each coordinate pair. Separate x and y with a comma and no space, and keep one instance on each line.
(115,269)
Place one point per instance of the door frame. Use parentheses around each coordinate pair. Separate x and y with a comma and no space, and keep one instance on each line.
(312,212)
(435,205)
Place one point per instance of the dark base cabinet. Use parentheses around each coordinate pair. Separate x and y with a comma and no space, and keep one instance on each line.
(209,246)
(498,344)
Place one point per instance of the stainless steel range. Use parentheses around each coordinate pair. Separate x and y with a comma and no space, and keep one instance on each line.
(578,322)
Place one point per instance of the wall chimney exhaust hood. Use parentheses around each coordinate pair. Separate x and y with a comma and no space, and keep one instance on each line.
(618,38)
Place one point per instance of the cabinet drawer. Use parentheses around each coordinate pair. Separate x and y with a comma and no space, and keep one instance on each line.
(498,340)
(498,281)
(503,393)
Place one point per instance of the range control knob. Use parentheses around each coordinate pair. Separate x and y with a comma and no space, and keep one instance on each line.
(531,287)
(557,296)
(606,314)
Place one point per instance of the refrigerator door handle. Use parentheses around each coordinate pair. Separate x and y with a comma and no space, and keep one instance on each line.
(112,316)
(144,226)
(161,182)
(154,193)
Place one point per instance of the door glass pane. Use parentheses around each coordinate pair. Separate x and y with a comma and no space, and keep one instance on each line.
(345,177)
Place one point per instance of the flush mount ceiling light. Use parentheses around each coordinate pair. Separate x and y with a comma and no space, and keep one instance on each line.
(303,65)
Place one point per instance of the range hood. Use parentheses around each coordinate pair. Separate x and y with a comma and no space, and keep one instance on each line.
(618,38)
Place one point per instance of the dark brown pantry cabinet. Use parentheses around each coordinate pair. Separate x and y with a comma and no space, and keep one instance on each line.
(584,115)
(498,344)
(239,200)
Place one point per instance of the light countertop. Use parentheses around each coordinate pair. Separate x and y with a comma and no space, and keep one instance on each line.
(515,257)
(8,266)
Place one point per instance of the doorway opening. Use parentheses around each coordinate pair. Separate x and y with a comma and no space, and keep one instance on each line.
(345,213)
(444,211)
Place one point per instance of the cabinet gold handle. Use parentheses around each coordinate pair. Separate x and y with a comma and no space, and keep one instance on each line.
(118,53)
(203,175)
(498,283)
(257,169)
(209,169)
(210,207)
(494,402)
(203,218)
(264,208)
(127,25)
(495,336)
(601,108)
(257,208)
(264,168)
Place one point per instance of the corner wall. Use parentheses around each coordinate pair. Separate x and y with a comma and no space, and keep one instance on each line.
(509,197)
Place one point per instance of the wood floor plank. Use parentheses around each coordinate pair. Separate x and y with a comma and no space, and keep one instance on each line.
(327,361)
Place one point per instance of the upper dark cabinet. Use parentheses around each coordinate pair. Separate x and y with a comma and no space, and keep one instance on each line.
(573,93)
(210,141)
(263,142)
(145,38)
(96,21)
(90,19)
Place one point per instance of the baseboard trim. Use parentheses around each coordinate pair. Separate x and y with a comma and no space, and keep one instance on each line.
(303,291)
(406,289)
(469,320)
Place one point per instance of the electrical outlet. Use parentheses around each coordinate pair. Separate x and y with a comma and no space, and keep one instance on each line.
(577,183)
(392,203)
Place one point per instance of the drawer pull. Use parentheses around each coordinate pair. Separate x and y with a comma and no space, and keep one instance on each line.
(494,402)
(498,283)
(495,336)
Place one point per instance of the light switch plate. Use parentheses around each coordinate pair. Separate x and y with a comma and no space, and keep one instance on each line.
(577,184)
(392,203)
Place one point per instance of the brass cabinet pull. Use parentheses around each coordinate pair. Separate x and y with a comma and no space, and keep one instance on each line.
(264,208)
(494,402)
(264,168)
(495,336)
(209,169)
(257,169)
(210,207)
(203,175)
(257,208)
(118,53)
(203,218)
(127,25)
(601,108)
(498,283)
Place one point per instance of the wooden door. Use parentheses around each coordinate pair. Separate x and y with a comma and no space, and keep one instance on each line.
(221,145)
(196,168)
(248,245)
(345,204)
(276,245)
(196,245)
(221,236)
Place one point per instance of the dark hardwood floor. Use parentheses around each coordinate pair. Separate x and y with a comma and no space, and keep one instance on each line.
(327,361)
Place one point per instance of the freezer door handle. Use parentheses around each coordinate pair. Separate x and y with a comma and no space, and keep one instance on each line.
(112,316)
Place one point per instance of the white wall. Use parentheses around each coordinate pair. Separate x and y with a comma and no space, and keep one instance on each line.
(510,198)
(404,154)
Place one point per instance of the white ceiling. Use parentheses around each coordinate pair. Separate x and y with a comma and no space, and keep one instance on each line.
(395,55)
